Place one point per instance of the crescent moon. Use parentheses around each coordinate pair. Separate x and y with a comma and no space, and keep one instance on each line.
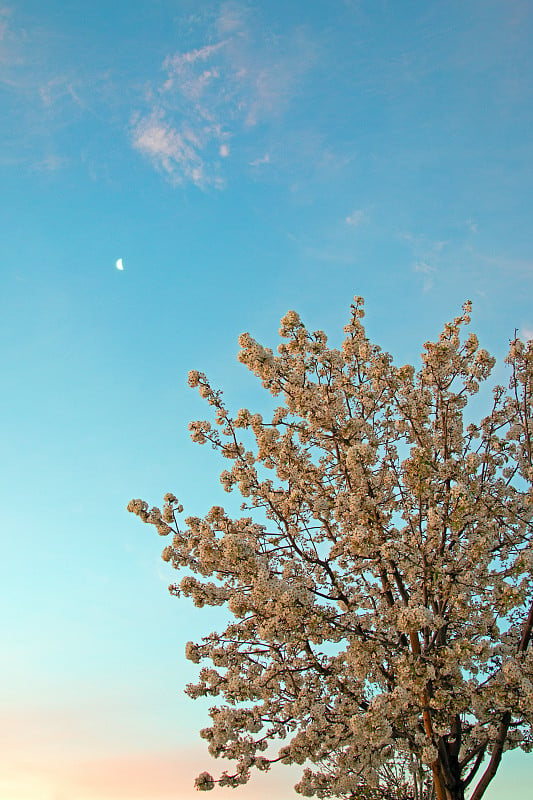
(119,264)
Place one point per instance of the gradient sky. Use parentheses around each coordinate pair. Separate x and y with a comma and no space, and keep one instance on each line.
(242,159)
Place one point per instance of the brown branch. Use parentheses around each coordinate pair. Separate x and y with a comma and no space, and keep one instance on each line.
(526,635)
(456,736)
(495,758)
(399,583)
(436,767)
(480,756)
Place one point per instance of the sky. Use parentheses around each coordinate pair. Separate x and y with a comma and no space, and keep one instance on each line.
(242,159)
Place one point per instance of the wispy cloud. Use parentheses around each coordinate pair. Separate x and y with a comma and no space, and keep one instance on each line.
(515,266)
(43,95)
(428,255)
(185,74)
(427,270)
(4,17)
(51,163)
(424,268)
(214,94)
(11,42)
(356,218)
(56,89)
(177,153)
(258,162)
(232,17)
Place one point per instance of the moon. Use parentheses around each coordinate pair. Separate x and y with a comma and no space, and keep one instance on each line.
(119,264)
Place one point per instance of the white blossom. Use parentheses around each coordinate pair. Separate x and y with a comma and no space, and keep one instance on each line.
(381,604)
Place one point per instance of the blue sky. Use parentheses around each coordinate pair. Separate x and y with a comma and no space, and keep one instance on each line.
(242,159)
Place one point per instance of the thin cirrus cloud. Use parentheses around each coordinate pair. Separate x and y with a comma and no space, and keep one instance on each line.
(258,162)
(11,51)
(219,93)
(356,218)
(4,16)
(424,268)
(57,89)
(43,96)
(179,153)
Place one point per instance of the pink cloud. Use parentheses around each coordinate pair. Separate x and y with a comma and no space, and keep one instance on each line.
(177,61)
(231,18)
(176,152)
(221,90)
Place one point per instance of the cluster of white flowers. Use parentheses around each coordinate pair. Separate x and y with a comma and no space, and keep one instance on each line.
(204,782)
(382,618)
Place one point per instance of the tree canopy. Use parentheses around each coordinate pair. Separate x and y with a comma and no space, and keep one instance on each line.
(380,579)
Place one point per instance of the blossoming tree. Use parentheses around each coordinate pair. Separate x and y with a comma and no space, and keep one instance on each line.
(380,589)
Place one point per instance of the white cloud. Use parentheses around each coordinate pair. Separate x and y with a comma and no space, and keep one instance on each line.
(4,16)
(427,270)
(51,163)
(177,153)
(356,218)
(56,90)
(244,75)
(12,47)
(424,267)
(526,333)
(516,266)
(429,256)
(272,77)
(257,162)
(186,76)
(200,54)
(231,18)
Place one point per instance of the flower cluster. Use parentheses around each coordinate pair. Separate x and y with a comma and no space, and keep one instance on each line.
(204,782)
(382,608)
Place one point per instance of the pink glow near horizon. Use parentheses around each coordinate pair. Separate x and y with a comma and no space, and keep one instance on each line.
(65,765)
(132,776)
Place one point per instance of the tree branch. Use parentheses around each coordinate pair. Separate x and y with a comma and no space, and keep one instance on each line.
(526,635)
(495,758)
